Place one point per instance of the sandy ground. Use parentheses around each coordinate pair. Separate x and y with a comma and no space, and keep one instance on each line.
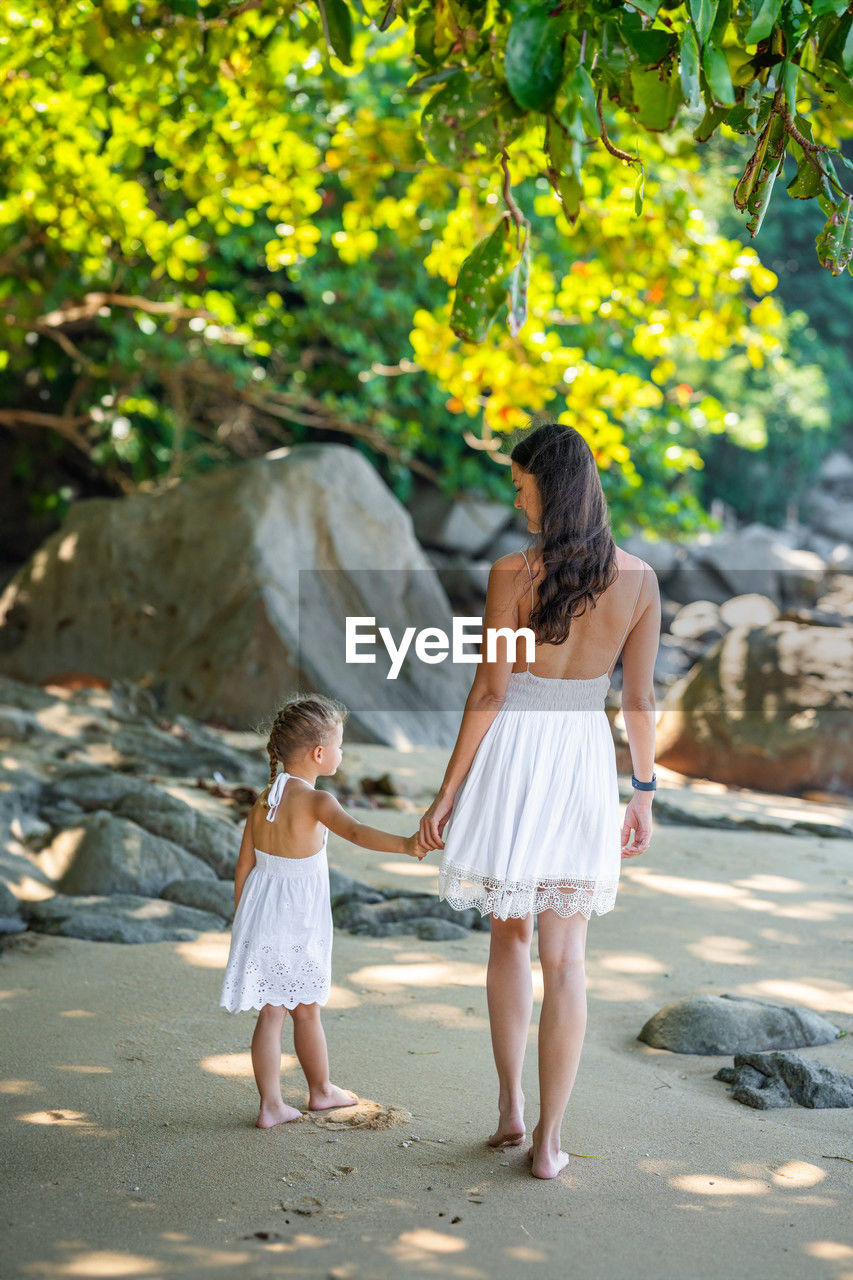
(128,1138)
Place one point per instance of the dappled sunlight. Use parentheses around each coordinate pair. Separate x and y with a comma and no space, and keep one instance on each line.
(736,895)
(103,1262)
(207,951)
(771,884)
(618,989)
(829,1250)
(446,1015)
(84,1071)
(57,1115)
(703,1184)
(821,994)
(19,1088)
(526,1253)
(300,1241)
(798,1173)
(77,1013)
(424,1242)
(13,993)
(722,950)
(343,998)
(239,1065)
(409,867)
(395,977)
(630,962)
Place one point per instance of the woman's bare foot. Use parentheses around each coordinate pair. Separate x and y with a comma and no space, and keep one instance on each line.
(546,1162)
(278,1113)
(510,1131)
(331,1096)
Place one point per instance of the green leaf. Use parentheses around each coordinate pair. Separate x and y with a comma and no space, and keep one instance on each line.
(650,43)
(648,7)
(481,285)
(808,181)
(689,67)
(470,116)
(712,119)
(566,158)
(518,283)
(716,68)
(835,242)
(639,191)
(703,13)
(534,59)
(580,87)
(764,15)
(755,187)
(657,101)
(338,24)
(822,7)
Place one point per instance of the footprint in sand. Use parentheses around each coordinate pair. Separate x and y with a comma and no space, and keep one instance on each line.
(366,1114)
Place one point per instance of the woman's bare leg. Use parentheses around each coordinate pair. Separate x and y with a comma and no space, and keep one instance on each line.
(509,989)
(266,1064)
(309,1045)
(562,1026)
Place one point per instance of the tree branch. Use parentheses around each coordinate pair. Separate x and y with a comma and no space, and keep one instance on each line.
(608,145)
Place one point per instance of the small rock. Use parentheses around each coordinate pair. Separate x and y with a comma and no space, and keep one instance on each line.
(764,1080)
(206,895)
(732,1024)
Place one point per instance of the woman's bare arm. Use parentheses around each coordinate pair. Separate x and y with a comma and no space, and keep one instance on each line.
(638,683)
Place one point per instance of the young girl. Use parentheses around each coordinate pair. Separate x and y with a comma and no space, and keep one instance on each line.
(281,942)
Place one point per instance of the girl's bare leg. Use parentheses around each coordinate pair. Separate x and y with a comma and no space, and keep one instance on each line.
(266,1064)
(509,989)
(562,1026)
(309,1045)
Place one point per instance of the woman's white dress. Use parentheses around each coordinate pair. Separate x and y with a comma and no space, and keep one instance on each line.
(281,939)
(536,822)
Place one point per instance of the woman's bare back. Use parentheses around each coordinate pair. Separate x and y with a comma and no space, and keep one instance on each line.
(597,635)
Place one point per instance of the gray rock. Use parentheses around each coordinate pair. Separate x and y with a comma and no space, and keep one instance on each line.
(439,930)
(11,924)
(105,854)
(214,840)
(371,918)
(195,591)
(662,556)
(748,611)
(755,560)
(700,621)
(831,515)
(9,904)
(733,1024)
(123,918)
(347,889)
(206,895)
(19,726)
(836,472)
(454,525)
(764,1080)
(24,696)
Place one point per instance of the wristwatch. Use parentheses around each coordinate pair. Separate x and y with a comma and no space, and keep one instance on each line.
(645,786)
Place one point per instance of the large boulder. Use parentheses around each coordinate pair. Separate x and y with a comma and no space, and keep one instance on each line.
(767,707)
(734,1024)
(105,854)
(228,591)
(753,560)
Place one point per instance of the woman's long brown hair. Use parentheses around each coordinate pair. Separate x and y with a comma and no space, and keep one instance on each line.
(578,551)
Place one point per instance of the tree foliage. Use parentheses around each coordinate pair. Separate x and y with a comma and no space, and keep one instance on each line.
(217,233)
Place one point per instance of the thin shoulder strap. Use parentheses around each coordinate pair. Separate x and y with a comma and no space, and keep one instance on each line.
(631,619)
(530,576)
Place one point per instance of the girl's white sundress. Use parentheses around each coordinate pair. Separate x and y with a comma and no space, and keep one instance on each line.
(536,822)
(281,939)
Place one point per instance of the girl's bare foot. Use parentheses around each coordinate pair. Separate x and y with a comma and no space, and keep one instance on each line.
(277,1113)
(331,1096)
(546,1162)
(510,1131)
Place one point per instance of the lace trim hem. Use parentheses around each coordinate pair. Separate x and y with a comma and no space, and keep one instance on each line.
(464,888)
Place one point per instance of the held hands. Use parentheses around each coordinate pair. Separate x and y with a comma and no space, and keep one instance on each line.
(638,818)
(434,821)
(414,848)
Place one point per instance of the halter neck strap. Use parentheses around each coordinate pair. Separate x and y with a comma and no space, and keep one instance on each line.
(275,793)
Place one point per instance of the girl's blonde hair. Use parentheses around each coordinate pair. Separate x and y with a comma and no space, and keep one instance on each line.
(304,722)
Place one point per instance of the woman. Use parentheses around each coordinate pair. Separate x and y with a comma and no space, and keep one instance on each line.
(530,799)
